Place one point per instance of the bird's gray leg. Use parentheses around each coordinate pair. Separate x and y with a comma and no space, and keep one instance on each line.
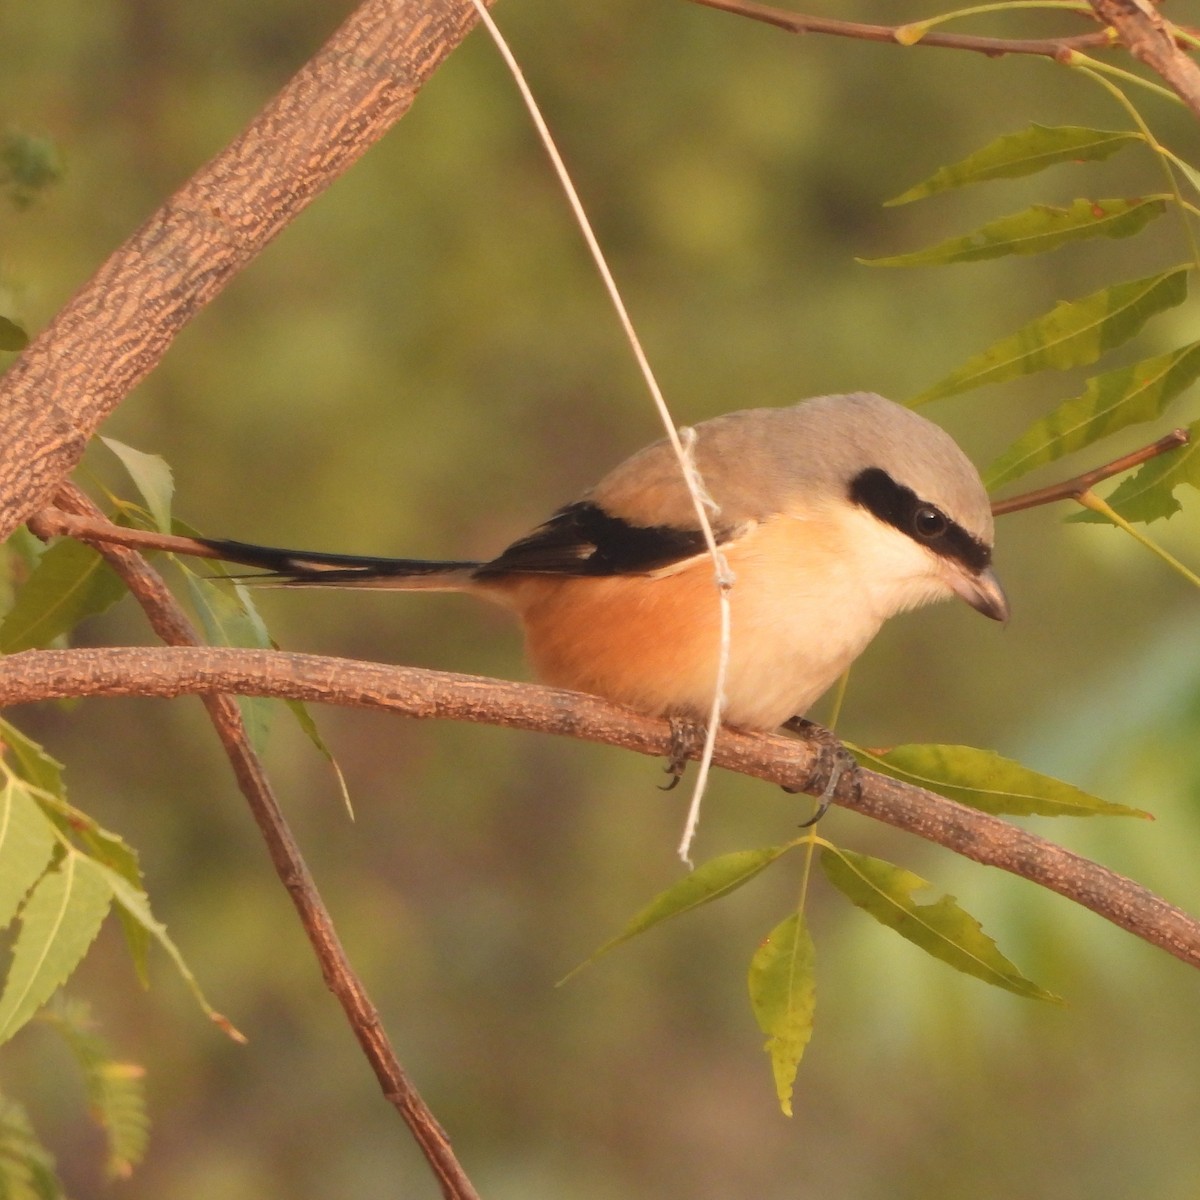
(833,762)
(687,736)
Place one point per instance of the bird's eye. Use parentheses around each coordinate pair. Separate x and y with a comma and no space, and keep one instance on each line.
(929,522)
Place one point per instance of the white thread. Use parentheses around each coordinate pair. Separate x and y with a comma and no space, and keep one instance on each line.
(701,500)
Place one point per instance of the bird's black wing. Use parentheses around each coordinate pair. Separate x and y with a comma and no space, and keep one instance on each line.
(582,539)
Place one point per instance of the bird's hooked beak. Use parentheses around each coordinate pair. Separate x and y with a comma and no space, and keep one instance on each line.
(982,591)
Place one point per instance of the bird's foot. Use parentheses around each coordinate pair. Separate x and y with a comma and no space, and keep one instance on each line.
(687,736)
(833,761)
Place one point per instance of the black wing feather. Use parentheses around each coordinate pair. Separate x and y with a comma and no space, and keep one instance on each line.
(582,539)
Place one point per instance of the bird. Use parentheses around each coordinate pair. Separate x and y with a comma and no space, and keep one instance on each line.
(832,514)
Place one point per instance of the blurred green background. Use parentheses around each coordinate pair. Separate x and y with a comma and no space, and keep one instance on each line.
(424,364)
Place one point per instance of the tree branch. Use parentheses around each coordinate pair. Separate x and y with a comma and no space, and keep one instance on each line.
(994,47)
(53,674)
(169,621)
(1147,37)
(1072,489)
(118,326)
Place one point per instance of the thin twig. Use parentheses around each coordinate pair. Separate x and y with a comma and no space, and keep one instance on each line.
(49,674)
(171,624)
(795,22)
(1072,489)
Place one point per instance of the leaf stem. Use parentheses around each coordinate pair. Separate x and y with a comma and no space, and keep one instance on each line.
(1090,500)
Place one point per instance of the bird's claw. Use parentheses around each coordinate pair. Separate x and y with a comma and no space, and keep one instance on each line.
(687,736)
(833,761)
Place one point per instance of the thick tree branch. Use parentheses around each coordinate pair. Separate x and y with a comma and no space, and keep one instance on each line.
(1147,36)
(118,326)
(52,674)
(169,621)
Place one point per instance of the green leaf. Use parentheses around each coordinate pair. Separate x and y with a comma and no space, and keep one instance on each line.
(28,164)
(27,841)
(1025,153)
(940,928)
(151,476)
(70,582)
(1073,334)
(119,856)
(26,1166)
(32,761)
(305,720)
(983,780)
(115,1090)
(60,920)
(709,881)
(1150,494)
(229,618)
(12,336)
(1112,401)
(1037,229)
(137,904)
(783,996)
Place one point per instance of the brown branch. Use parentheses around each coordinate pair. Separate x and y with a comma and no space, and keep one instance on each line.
(51,674)
(1072,489)
(1148,37)
(118,326)
(794,22)
(171,624)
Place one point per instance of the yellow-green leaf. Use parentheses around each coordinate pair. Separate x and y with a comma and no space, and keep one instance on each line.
(26,1166)
(27,840)
(32,761)
(229,618)
(1073,334)
(136,903)
(1150,494)
(783,996)
(1112,401)
(984,780)
(70,582)
(151,476)
(1024,153)
(59,922)
(940,927)
(1035,230)
(709,881)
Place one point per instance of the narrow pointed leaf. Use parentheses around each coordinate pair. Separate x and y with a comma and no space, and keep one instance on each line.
(1073,334)
(305,720)
(984,780)
(229,618)
(783,996)
(119,856)
(1150,494)
(1112,401)
(151,476)
(1040,228)
(709,881)
(12,336)
(137,904)
(32,761)
(70,582)
(1024,153)
(59,922)
(940,927)
(27,841)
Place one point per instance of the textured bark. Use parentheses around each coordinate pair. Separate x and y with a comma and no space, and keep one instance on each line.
(115,330)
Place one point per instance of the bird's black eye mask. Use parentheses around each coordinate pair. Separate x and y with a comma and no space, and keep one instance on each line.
(896,505)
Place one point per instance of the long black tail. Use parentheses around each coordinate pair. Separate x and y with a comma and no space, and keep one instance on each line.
(304,568)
